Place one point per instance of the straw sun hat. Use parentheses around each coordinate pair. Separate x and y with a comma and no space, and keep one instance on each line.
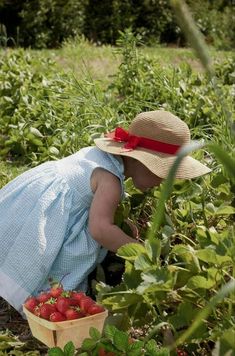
(154,138)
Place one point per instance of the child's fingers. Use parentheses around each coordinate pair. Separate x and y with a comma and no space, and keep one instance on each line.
(133,227)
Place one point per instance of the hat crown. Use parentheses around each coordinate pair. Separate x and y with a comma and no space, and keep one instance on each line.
(161,126)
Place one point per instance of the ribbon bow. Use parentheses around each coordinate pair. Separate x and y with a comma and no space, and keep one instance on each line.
(122,135)
(132,141)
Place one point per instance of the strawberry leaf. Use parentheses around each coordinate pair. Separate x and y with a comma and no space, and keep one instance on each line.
(69,349)
(88,344)
(121,340)
(110,331)
(55,351)
(94,334)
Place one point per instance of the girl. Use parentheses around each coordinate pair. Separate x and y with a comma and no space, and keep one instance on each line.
(57,219)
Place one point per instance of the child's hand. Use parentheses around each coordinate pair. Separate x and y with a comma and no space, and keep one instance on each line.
(133,228)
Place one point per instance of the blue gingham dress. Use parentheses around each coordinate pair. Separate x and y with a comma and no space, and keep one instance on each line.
(44,225)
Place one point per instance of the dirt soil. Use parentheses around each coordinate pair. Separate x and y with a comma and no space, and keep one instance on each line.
(12,323)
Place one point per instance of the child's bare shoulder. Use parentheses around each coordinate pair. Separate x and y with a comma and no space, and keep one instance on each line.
(103,179)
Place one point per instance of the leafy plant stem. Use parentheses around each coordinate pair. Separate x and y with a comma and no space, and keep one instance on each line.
(156,329)
(203,314)
(186,238)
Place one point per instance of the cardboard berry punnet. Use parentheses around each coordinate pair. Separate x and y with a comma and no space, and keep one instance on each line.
(56,317)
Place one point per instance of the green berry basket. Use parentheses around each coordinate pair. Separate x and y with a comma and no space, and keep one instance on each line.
(59,333)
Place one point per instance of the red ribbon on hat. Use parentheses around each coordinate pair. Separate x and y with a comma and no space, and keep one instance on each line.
(132,141)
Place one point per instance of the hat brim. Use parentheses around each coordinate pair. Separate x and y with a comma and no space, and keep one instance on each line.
(156,162)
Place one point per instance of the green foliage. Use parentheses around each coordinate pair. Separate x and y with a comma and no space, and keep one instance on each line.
(179,282)
(189,259)
(28,114)
(117,342)
(47,23)
(41,110)
(216,22)
(68,350)
(11,345)
(37,121)
(104,19)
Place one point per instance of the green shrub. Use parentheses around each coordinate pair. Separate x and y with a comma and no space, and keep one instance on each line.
(216,21)
(46,23)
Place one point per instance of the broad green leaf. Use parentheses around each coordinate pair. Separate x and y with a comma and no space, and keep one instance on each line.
(210,208)
(225,210)
(120,340)
(209,255)
(69,349)
(225,189)
(130,251)
(88,344)
(121,300)
(218,179)
(152,349)
(214,274)
(221,210)
(142,262)
(135,346)
(153,249)
(131,276)
(156,280)
(184,316)
(55,351)
(94,333)
(200,282)
(110,331)
(188,255)
(226,344)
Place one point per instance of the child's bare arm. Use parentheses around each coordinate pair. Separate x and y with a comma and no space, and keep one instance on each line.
(107,194)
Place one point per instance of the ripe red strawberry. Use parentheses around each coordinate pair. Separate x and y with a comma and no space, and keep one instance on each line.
(78,296)
(95,309)
(46,310)
(85,303)
(31,303)
(102,352)
(73,314)
(73,302)
(55,292)
(57,316)
(43,297)
(62,304)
